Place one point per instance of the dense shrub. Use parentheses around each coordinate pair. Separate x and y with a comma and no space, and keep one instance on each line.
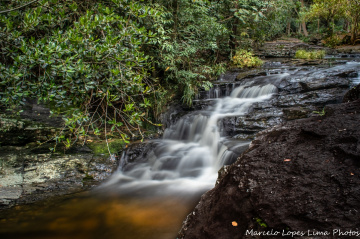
(244,58)
(303,54)
(333,41)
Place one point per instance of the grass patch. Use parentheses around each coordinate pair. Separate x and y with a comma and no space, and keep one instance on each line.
(244,58)
(100,147)
(303,54)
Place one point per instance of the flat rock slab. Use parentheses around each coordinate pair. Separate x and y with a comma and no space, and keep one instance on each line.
(9,193)
(27,177)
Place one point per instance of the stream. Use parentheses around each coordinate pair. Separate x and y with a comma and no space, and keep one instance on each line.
(151,192)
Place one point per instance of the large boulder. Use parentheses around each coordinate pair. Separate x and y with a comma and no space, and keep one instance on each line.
(302,176)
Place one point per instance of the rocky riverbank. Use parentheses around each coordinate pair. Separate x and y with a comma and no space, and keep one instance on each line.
(30,172)
(287,47)
(299,176)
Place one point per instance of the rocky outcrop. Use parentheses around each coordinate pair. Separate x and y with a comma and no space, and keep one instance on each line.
(30,172)
(27,176)
(300,176)
(301,92)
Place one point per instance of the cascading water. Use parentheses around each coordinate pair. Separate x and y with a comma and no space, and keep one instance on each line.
(184,163)
(191,152)
(355,80)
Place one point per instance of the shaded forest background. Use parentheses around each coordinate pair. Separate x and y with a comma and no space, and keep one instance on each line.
(111,66)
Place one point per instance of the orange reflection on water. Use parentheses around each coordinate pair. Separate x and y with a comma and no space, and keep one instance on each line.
(91,217)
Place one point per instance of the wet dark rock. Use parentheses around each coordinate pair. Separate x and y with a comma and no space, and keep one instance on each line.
(19,132)
(312,62)
(173,113)
(353,94)
(299,176)
(300,93)
(136,153)
(40,114)
(250,74)
(295,113)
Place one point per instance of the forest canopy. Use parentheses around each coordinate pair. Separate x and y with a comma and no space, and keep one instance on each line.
(110,66)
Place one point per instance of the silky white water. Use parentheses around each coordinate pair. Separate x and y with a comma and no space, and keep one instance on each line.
(187,159)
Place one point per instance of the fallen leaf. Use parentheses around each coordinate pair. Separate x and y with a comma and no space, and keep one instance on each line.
(234,224)
(287,160)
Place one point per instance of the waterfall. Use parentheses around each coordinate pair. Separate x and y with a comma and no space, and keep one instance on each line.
(191,152)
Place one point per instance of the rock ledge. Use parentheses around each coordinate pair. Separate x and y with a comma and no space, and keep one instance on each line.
(299,176)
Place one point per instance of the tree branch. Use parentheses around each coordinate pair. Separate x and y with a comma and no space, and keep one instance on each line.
(10,10)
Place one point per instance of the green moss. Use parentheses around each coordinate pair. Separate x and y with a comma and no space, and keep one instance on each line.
(88,177)
(101,147)
(303,54)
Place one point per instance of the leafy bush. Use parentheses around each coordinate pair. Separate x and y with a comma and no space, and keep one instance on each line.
(109,67)
(303,54)
(244,58)
(333,41)
(87,64)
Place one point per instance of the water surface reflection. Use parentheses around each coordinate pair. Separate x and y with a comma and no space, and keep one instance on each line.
(86,215)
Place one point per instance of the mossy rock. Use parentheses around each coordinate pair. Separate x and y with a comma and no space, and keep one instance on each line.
(101,147)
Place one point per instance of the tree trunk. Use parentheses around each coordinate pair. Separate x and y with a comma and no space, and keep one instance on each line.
(304,29)
(288,28)
(354,31)
(303,22)
(175,17)
(233,42)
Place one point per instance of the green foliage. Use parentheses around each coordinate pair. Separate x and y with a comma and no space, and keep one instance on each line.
(245,58)
(260,222)
(303,54)
(320,113)
(251,21)
(353,16)
(87,63)
(333,41)
(328,10)
(186,45)
(110,67)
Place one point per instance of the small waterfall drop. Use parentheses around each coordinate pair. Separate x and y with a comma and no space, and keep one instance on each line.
(187,159)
